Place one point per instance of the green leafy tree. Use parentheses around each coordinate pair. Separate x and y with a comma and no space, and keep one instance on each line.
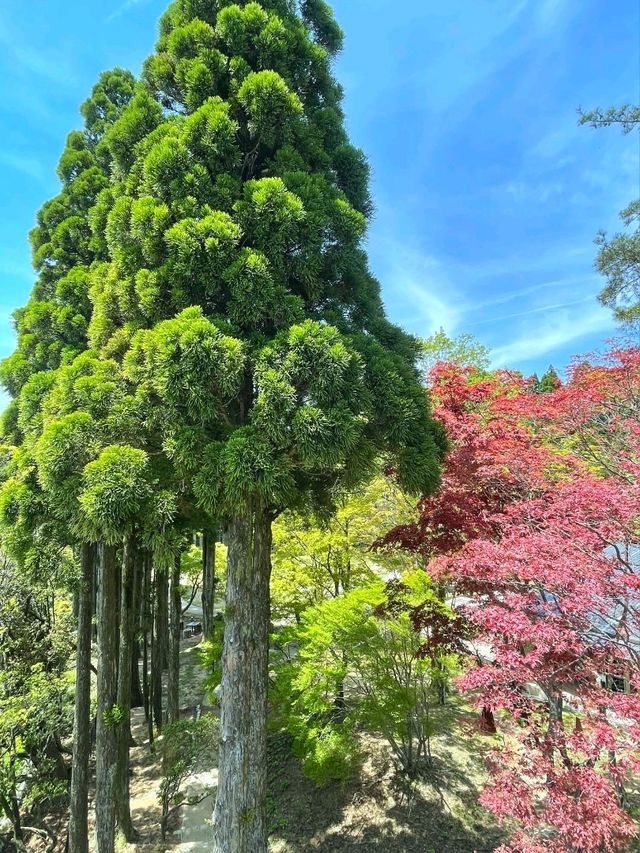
(35,698)
(464,350)
(367,642)
(188,748)
(619,257)
(192,587)
(550,382)
(318,559)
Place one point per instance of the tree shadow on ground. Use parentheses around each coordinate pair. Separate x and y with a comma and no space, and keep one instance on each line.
(435,813)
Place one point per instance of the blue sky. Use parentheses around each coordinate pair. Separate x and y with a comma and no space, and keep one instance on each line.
(488,195)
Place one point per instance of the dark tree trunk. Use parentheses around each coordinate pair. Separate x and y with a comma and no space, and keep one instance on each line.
(173,681)
(78,798)
(240,821)
(137,700)
(163,619)
(123,728)
(158,644)
(106,734)
(208,583)
(147,639)
(488,721)
(16,817)
(146,622)
(94,603)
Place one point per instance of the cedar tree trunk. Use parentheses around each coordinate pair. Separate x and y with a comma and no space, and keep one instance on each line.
(240,821)
(78,823)
(173,681)
(137,700)
(208,583)
(106,731)
(123,728)
(159,643)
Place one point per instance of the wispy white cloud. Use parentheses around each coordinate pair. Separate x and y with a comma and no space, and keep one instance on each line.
(543,309)
(555,146)
(551,261)
(539,320)
(550,13)
(430,311)
(534,192)
(556,284)
(467,54)
(23,163)
(424,296)
(49,64)
(120,10)
(559,329)
(476,44)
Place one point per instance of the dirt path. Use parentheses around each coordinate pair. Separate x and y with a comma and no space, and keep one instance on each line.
(194,834)
(190,830)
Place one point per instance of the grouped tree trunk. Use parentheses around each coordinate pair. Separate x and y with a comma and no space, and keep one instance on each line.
(123,700)
(173,680)
(137,699)
(159,643)
(146,616)
(78,798)
(208,582)
(240,820)
(106,731)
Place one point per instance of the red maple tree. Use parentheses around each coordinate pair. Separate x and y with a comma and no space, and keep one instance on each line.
(533,535)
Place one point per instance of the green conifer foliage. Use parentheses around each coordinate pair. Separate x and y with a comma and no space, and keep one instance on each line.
(67,406)
(205,302)
(550,382)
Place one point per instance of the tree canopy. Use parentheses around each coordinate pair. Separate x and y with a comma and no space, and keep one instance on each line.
(205,340)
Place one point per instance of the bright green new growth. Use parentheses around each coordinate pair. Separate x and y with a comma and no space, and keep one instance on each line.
(188,748)
(316,559)
(34,693)
(360,667)
(464,350)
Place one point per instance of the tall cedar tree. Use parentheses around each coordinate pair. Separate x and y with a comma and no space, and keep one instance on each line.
(62,392)
(237,343)
(71,476)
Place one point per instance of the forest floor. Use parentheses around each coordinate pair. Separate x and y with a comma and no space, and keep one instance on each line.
(380,809)
(190,829)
